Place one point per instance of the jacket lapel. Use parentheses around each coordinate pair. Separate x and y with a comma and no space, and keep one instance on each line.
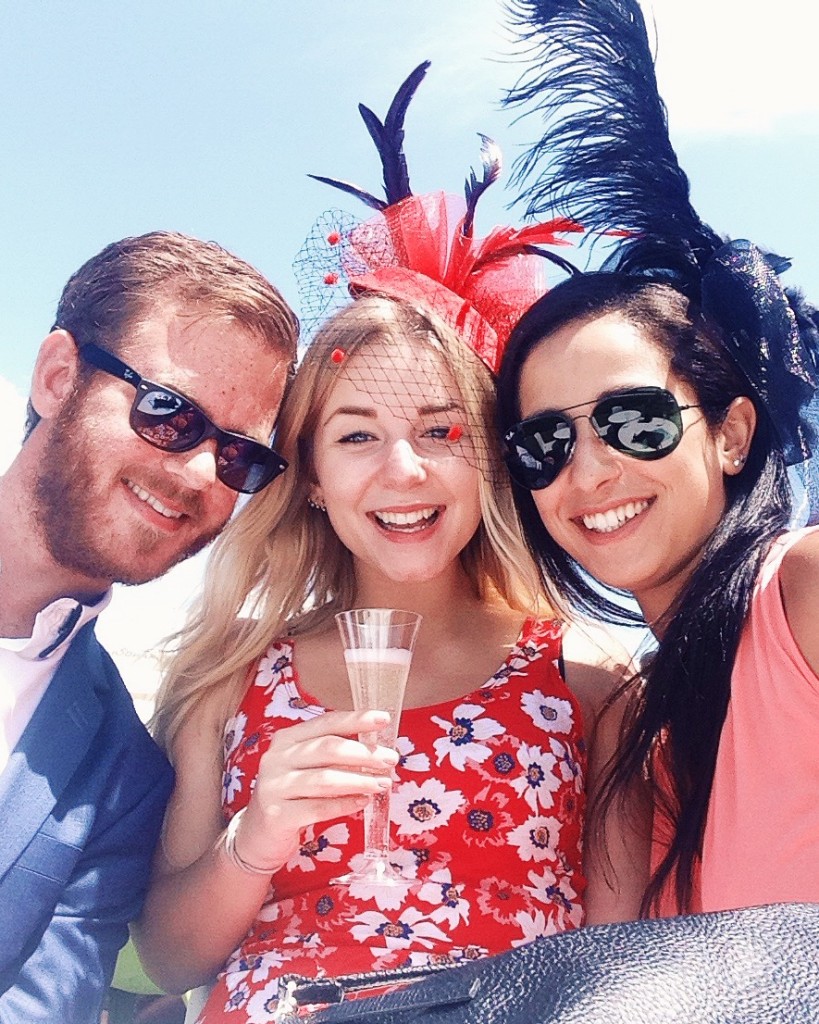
(51,748)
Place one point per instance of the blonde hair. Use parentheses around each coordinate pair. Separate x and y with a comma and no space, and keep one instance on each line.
(279,566)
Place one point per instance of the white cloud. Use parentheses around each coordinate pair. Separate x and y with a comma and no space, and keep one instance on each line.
(726,67)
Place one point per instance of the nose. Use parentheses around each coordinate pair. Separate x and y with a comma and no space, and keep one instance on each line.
(593,462)
(195,469)
(404,466)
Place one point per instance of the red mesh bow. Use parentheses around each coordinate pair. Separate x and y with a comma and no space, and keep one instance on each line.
(416,250)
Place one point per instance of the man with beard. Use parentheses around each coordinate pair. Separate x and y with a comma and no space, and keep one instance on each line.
(152,402)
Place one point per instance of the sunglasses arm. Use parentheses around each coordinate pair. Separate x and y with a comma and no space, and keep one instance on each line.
(109,364)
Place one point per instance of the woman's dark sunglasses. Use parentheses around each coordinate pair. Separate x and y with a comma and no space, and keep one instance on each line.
(644,423)
(167,420)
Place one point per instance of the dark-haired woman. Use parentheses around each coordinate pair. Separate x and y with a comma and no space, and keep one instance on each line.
(645,458)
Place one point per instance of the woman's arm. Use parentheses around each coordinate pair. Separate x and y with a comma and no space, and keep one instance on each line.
(201,902)
(617,848)
(799,582)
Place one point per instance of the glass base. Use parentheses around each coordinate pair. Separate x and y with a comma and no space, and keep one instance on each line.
(373,869)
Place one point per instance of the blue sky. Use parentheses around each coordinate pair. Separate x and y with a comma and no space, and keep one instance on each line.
(205,116)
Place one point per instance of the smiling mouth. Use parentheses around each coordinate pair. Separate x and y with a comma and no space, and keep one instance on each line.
(408,522)
(153,501)
(614,518)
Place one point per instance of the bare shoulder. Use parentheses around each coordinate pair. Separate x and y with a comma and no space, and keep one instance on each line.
(597,664)
(799,584)
(801,562)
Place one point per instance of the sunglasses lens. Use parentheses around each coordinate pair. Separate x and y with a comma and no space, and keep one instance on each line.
(247,466)
(537,449)
(644,423)
(169,421)
(166,420)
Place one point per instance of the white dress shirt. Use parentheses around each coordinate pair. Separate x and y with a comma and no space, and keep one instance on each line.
(28,665)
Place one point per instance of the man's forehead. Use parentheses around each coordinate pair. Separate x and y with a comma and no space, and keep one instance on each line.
(218,363)
(188,343)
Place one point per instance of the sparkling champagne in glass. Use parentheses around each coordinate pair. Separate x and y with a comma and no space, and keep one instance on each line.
(378,645)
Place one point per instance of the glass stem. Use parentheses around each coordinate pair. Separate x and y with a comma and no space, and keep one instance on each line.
(377,826)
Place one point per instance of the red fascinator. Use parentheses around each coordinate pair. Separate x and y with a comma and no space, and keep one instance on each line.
(422,249)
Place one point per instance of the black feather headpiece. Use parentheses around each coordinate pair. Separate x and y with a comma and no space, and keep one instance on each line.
(605,159)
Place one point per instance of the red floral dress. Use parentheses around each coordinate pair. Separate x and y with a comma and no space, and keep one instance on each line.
(487,813)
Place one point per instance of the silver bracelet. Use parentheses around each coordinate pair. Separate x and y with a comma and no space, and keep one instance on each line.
(233,855)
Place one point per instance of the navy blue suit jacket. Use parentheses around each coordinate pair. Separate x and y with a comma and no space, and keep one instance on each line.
(81,805)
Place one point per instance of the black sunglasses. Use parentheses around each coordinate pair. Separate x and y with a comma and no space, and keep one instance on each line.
(644,423)
(167,420)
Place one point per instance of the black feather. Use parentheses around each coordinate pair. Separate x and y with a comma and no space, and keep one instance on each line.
(391,150)
(374,126)
(605,158)
(353,190)
(492,163)
(553,257)
(389,141)
(389,136)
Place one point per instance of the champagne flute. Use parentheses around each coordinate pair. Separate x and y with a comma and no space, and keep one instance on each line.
(378,645)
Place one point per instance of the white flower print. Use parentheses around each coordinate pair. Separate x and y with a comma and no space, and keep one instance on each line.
(570,768)
(262,1005)
(385,897)
(287,702)
(405,862)
(409,761)
(537,838)
(538,783)
(254,968)
(458,955)
(484,832)
(557,893)
(409,927)
(238,995)
(463,735)
(419,808)
(231,783)
(275,663)
(439,890)
(532,927)
(275,910)
(234,732)
(552,714)
(324,846)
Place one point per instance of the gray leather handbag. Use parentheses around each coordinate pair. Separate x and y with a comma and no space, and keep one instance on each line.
(755,966)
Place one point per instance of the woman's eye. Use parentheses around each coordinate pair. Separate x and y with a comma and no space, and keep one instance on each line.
(438,433)
(355,437)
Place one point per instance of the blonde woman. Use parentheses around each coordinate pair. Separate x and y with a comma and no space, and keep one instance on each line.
(395,498)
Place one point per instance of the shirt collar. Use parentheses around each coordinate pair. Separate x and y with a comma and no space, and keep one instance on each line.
(55,627)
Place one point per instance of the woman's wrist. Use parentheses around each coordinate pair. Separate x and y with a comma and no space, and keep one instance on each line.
(227,841)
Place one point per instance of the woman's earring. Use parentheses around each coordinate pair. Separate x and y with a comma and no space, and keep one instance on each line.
(739,461)
(316,504)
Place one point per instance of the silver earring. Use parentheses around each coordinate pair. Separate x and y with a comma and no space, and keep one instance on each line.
(739,461)
(316,504)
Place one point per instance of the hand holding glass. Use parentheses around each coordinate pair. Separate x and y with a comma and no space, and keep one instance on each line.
(378,645)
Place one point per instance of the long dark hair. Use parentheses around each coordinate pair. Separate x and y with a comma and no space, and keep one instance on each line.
(681,707)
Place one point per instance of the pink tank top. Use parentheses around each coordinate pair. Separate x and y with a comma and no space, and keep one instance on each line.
(761,842)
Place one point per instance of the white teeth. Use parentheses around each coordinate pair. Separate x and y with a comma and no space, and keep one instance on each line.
(155,503)
(405,518)
(614,518)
